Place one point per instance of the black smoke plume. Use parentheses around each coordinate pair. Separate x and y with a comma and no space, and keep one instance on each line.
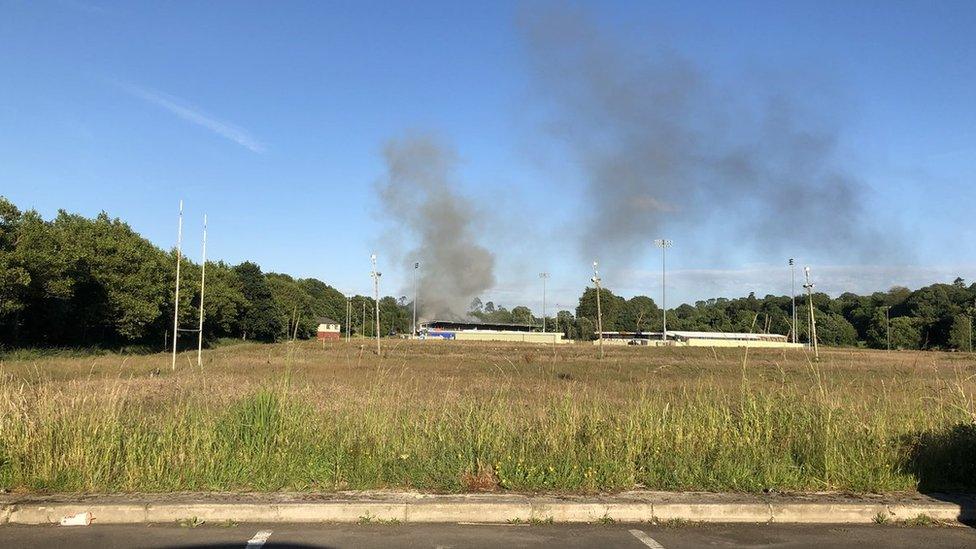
(664,147)
(420,198)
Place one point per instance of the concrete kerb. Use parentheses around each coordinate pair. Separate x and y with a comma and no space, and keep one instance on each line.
(482,509)
(944,511)
(713,512)
(826,513)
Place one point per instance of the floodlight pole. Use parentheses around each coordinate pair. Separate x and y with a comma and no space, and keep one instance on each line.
(664,244)
(599,312)
(376,300)
(544,276)
(416,292)
(793,295)
(813,319)
(203,280)
(176,298)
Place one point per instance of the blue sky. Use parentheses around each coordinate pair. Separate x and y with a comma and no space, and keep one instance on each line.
(272,117)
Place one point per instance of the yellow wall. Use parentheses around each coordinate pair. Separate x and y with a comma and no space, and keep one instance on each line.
(704,342)
(526,337)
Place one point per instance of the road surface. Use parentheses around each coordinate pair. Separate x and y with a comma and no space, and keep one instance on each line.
(443,536)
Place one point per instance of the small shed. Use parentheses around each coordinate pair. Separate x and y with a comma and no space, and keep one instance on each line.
(328,329)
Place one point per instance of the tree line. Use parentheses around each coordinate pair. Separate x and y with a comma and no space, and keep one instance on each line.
(938,316)
(77,281)
(934,317)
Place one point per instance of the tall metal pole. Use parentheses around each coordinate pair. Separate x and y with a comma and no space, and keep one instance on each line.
(363,335)
(793,295)
(544,276)
(348,317)
(599,312)
(813,319)
(376,300)
(176,299)
(203,280)
(664,244)
(416,292)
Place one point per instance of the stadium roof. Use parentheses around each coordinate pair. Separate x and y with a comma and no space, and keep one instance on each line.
(476,325)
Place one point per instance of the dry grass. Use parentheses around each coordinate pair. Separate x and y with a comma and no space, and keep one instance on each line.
(451,416)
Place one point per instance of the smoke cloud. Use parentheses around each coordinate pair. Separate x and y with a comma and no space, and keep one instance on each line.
(665,150)
(420,197)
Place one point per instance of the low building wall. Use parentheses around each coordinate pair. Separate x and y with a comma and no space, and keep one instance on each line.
(705,342)
(524,337)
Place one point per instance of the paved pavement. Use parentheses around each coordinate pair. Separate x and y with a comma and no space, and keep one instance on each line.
(443,536)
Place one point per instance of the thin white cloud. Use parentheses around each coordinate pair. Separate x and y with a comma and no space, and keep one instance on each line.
(176,106)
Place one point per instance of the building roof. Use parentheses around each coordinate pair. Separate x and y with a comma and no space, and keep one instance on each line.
(476,325)
(326,320)
(725,335)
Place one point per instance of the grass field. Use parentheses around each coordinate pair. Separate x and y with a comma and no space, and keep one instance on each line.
(451,416)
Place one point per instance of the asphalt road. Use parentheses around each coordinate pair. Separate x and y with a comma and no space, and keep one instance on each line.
(635,536)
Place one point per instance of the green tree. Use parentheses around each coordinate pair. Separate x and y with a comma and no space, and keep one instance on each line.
(906,333)
(395,318)
(522,315)
(567,324)
(876,334)
(261,318)
(14,277)
(961,333)
(639,314)
(585,328)
(224,302)
(610,306)
(833,329)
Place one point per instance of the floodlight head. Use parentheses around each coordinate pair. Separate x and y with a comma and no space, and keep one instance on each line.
(791,261)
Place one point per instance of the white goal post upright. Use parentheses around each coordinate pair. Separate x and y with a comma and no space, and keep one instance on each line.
(203,280)
(176,298)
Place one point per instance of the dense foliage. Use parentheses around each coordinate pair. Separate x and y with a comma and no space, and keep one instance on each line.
(74,281)
(934,317)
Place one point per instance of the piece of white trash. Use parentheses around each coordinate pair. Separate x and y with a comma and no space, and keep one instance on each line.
(81,519)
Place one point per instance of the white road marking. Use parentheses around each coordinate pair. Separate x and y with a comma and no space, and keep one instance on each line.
(646,540)
(259,539)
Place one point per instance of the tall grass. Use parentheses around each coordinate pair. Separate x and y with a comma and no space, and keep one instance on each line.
(280,437)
